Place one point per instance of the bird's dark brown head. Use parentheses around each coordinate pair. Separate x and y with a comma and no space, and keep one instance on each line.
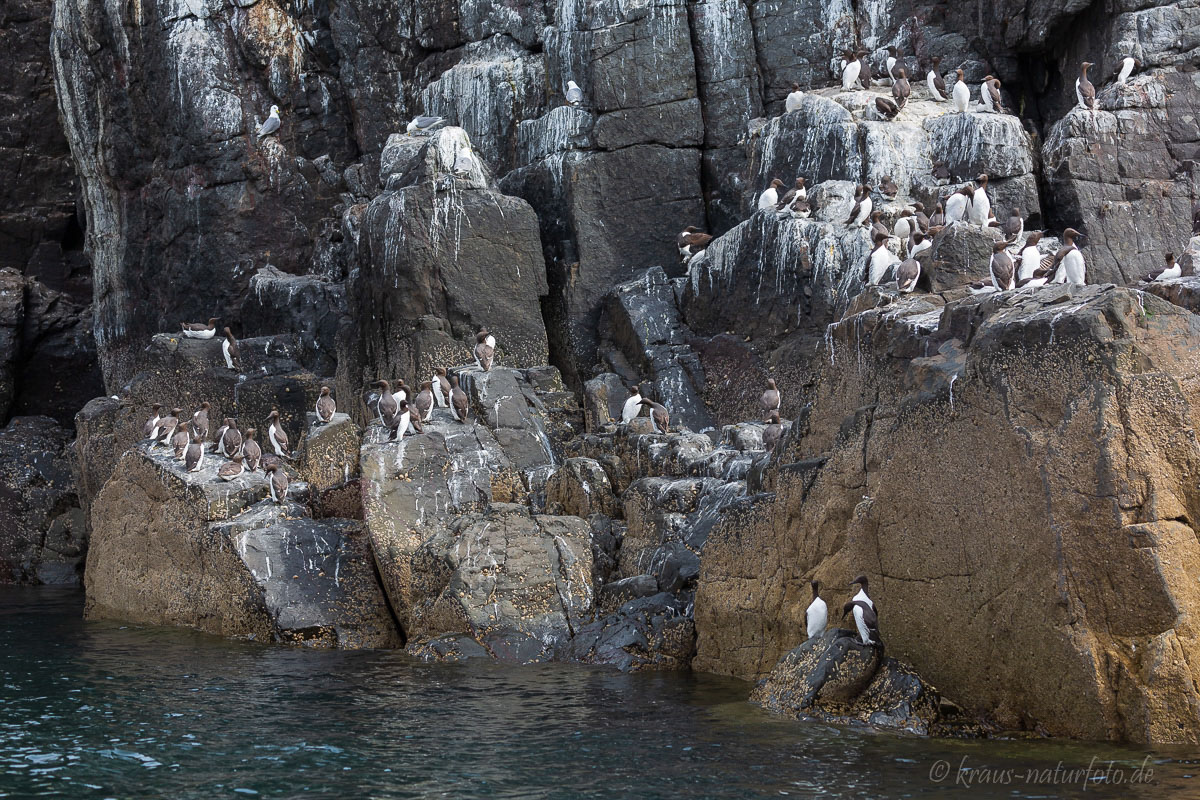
(959,73)
(795,86)
(212,322)
(250,432)
(880,238)
(861,580)
(903,73)
(206,405)
(998,247)
(324,391)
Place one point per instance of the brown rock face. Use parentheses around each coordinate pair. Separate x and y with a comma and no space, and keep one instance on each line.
(1022,497)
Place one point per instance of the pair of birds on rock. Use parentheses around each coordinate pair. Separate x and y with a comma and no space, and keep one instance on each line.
(400,416)
(866,617)
(794,201)
(207,330)
(1033,269)
(660,417)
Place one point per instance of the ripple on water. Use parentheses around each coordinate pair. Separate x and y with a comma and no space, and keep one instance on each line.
(103,710)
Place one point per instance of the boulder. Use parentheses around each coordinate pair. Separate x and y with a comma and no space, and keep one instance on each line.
(1071,392)
(43,538)
(518,584)
(310,306)
(328,455)
(652,632)
(835,678)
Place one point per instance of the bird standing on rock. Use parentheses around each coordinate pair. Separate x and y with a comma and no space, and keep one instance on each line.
(277,436)
(1071,268)
(981,206)
(690,241)
(1128,63)
(958,204)
(229,349)
(851,66)
(483,350)
(269,125)
(231,440)
(251,452)
(387,403)
(573,94)
(816,616)
(866,620)
(887,109)
(961,93)
(862,207)
(180,440)
(218,443)
(423,403)
(232,470)
(888,187)
(194,458)
(893,56)
(879,261)
(325,407)
(794,99)
(200,421)
(660,418)
(901,90)
(770,195)
(152,424)
(441,387)
(633,405)
(908,272)
(772,432)
(277,482)
(166,428)
(1085,92)
(1004,276)
(459,403)
(877,225)
(771,399)
(935,82)
(1014,226)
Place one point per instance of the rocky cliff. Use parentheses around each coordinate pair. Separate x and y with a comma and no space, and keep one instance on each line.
(1011,469)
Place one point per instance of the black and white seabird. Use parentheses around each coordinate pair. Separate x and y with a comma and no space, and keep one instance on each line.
(794,100)
(919,244)
(771,398)
(660,418)
(981,207)
(398,423)
(797,192)
(633,405)
(423,402)
(961,93)
(166,428)
(862,207)
(194,459)
(269,125)
(959,204)
(861,583)
(1001,268)
(277,481)
(893,55)
(277,436)
(483,351)
(441,387)
(908,272)
(251,452)
(935,82)
(326,406)
(200,421)
(233,469)
(400,391)
(770,195)
(904,226)
(1071,267)
(772,432)
(387,402)
(152,424)
(877,225)
(199,330)
(851,66)
(938,219)
(901,90)
(888,187)
(181,439)
(1170,269)
(816,616)
(1014,226)
(459,404)
(988,101)
(690,241)
(865,619)
(1085,92)
(231,440)
(864,72)
(879,261)
(218,443)
(229,349)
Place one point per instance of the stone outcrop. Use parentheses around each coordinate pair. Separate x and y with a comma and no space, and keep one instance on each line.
(43,538)
(835,678)
(176,548)
(1042,586)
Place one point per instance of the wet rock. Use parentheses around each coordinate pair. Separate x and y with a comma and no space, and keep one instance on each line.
(626,588)
(651,632)
(581,488)
(43,538)
(518,584)
(12,318)
(1183,292)
(962,255)
(604,399)
(328,456)
(452,647)
(309,306)
(835,678)
(606,543)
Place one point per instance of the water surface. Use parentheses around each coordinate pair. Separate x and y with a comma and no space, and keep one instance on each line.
(97,709)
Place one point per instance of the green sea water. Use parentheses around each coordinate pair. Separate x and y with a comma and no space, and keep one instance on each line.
(99,709)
